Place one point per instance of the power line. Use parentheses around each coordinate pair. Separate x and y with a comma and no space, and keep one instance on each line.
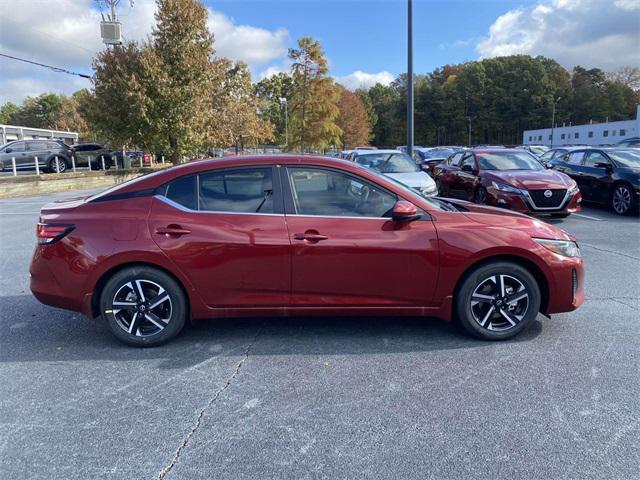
(55,69)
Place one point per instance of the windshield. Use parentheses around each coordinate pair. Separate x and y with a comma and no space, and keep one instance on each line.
(388,162)
(508,161)
(434,202)
(626,158)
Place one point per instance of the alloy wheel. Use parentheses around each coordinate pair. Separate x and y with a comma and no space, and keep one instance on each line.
(621,199)
(499,302)
(142,308)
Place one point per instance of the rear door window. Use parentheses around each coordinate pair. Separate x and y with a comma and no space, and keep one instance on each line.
(247,190)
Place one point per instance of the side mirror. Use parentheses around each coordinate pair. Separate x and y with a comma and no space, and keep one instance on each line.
(8,150)
(602,165)
(404,211)
(467,168)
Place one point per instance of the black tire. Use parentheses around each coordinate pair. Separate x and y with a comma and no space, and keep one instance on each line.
(62,162)
(471,313)
(560,215)
(623,199)
(152,325)
(480,196)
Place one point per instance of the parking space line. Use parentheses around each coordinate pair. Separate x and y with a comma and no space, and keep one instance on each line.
(588,217)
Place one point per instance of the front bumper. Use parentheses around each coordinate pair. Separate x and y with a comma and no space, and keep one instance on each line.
(566,288)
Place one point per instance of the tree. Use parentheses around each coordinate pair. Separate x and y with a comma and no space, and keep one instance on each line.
(352,120)
(120,106)
(274,93)
(180,75)
(312,112)
(242,122)
(627,76)
(7,111)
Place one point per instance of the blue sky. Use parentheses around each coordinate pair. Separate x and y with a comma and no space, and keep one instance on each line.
(364,40)
(371,35)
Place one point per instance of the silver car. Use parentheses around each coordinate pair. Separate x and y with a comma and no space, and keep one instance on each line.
(397,165)
(25,152)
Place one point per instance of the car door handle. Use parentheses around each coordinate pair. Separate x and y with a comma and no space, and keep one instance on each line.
(172,231)
(309,236)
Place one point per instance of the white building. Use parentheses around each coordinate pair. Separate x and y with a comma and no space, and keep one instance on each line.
(608,133)
(13,132)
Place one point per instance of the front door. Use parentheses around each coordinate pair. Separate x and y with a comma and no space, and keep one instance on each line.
(225,229)
(347,252)
(596,182)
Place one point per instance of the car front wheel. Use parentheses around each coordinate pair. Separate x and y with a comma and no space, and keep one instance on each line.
(59,167)
(497,300)
(143,306)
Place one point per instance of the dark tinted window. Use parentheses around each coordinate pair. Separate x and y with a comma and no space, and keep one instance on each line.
(183,191)
(335,194)
(241,191)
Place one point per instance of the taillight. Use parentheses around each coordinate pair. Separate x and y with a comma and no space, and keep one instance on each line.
(48,233)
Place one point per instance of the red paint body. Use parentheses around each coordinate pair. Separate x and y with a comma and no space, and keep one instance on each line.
(286,264)
(457,183)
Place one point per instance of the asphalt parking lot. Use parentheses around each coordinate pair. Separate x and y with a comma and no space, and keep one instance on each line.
(337,398)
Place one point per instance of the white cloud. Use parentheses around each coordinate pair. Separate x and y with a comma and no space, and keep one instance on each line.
(252,45)
(590,33)
(360,79)
(69,36)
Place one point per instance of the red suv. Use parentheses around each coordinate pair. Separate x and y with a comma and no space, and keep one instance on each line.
(290,235)
(508,178)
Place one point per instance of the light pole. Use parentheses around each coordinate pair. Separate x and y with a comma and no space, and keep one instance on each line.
(553,117)
(410,78)
(286,121)
(469,120)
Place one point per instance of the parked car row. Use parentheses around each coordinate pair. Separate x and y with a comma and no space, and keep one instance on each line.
(56,156)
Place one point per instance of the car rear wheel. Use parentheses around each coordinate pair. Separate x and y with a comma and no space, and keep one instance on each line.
(497,301)
(480,196)
(623,200)
(61,166)
(143,306)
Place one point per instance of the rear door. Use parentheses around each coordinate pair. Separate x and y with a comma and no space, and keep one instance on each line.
(38,149)
(225,229)
(347,252)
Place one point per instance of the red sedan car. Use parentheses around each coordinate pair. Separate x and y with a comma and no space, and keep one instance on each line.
(289,235)
(508,178)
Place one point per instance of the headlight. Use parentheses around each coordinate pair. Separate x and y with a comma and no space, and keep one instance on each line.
(566,248)
(574,189)
(506,188)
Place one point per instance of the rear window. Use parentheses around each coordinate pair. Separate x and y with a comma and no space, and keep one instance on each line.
(240,191)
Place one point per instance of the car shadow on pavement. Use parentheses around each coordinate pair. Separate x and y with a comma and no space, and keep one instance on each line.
(30,331)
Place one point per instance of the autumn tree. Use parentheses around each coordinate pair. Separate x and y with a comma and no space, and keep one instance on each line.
(352,120)
(313,111)
(241,122)
(7,111)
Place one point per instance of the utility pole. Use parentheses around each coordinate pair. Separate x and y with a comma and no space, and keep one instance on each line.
(410,78)
(553,117)
(469,120)
(286,121)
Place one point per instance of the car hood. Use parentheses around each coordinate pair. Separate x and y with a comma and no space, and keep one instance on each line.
(530,179)
(500,217)
(413,179)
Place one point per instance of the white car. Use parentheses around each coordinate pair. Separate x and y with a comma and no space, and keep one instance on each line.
(397,165)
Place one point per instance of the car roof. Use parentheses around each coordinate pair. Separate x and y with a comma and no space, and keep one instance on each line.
(371,152)
(496,150)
